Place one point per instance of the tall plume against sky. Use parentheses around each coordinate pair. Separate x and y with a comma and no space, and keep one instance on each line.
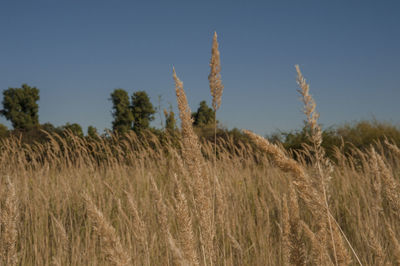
(216,86)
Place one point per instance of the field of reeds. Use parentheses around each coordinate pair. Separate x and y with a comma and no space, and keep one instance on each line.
(135,200)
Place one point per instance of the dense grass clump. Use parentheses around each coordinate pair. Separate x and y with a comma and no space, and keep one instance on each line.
(65,205)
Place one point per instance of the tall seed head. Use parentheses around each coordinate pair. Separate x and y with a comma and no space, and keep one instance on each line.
(216,86)
(309,107)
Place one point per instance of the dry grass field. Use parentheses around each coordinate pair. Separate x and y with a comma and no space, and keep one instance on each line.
(136,201)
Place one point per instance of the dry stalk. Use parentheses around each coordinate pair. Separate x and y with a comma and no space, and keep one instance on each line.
(393,147)
(214,78)
(319,153)
(216,89)
(161,210)
(395,243)
(110,245)
(9,217)
(186,235)
(376,181)
(308,193)
(302,181)
(138,223)
(316,257)
(62,242)
(376,248)
(390,186)
(139,226)
(297,248)
(177,253)
(178,256)
(285,232)
(323,166)
(194,161)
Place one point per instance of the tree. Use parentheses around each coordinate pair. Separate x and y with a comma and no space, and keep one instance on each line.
(170,122)
(122,113)
(48,127)
(142,110)
(20,106)
(3,131)
(204,116)
(92,132)
(75,128)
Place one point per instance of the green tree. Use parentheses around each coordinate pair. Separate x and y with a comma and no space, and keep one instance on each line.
(363,133)
(170,121)
(142,110)
(50,128)
(75,128)
(3,131)
(204,116)
(122,113)
(20,106)
(92,132)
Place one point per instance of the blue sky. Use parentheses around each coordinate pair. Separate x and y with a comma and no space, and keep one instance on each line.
(77,52)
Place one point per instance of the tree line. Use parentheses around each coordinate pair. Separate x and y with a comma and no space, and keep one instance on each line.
(21,108)
(136,112)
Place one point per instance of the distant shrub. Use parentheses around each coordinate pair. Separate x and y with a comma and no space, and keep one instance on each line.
(364,133)
(358,134)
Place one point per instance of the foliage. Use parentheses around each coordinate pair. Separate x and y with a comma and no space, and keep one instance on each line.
(3,131)
(170,121)
(359,134)
(74,128)
(204,115)
(20,106)
(363,133)
(92,132)
(50,128)
(142,110)
(122,113)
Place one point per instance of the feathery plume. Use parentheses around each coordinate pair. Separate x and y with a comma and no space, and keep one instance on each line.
(216,86)
(193,159)
(390,186)
(62,239)
(394,148)
(376,185)
(317,258)
(302,181)
(376,248)
(322,164)
(111,245)
(187,240)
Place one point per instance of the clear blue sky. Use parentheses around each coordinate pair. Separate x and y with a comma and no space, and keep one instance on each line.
(77,52)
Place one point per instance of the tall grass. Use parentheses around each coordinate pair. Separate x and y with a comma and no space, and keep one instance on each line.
(133,200)
(46,218)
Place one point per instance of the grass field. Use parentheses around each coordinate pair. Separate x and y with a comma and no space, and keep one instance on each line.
(136,201)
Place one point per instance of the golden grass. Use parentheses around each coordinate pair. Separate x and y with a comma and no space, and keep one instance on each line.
(9,218)
(136,201)
(214,78)
(155,217)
